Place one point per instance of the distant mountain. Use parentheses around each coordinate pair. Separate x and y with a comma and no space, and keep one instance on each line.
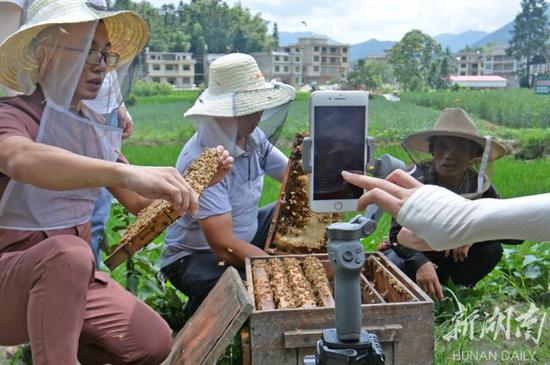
(501,35)
(369,48)
(457,42)
(287,38)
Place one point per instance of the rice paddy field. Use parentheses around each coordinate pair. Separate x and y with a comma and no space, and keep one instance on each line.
(518,286)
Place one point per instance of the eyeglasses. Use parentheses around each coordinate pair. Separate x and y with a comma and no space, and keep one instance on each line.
(95,57)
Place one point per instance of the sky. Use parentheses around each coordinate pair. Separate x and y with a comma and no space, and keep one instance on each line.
(355,21)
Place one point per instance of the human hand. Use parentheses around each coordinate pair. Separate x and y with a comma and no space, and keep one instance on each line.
(459,254)
(160,183)
(125,122)
(407,238)
(426,278)
(225,165)
(389,194)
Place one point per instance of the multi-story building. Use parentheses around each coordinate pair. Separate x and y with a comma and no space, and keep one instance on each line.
(322,59)
(175,68)
(281,66)
(313,59)
(469,63)
(492,61)
(497,62)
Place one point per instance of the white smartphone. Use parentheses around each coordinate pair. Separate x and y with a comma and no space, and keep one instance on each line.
(338,129)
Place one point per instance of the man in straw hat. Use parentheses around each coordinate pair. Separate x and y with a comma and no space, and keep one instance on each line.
(452,155)
(229,226)
(55,154)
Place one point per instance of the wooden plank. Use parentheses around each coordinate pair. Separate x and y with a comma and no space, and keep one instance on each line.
(245,344)
(308,338)
(262,286)
(387,284)
(249,281)
(207,333)
(369,293)
(312,266)
(142,239)
(415,345)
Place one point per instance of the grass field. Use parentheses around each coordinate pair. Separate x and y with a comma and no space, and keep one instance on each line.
(519,281)
(518,108)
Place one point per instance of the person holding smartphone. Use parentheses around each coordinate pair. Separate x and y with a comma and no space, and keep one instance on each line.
(235,110)
(450,155)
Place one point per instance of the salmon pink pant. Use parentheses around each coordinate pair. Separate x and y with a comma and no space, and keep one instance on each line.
(52,296)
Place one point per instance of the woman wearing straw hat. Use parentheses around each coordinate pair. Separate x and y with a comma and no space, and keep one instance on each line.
(452,155)
(11,15)
(55,154)
(229,226)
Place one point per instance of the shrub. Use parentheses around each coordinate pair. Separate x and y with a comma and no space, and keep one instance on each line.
(147,88)
(131,99)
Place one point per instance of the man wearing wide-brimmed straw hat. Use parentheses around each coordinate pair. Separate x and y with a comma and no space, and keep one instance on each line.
(455,156)
(238,110)
(55,154)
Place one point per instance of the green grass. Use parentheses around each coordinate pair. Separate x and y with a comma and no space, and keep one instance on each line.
(518,108)
(521,278)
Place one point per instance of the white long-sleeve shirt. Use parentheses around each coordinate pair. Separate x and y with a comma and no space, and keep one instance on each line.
(446,220)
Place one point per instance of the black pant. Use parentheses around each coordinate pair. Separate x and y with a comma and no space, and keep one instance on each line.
(482,259)
(195,275)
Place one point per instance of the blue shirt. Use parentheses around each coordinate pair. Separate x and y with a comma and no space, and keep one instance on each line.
(238,193)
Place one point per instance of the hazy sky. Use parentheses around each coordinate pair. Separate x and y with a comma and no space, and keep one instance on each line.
(354,21)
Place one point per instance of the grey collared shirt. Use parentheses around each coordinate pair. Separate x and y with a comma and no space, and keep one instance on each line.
(238,193)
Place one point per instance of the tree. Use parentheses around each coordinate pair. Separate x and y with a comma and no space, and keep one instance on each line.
(180,10)
(530,33)
(370,74)
(190,27)
(412,58)
(275,35)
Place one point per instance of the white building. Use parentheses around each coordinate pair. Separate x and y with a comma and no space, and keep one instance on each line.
(175,68)
(281,66)
(480,82)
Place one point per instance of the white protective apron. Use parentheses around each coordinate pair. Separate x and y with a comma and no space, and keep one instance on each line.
(26,207)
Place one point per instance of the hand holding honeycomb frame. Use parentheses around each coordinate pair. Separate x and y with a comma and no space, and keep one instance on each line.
(159,215)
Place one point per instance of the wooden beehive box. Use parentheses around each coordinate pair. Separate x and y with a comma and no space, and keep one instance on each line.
(393,307)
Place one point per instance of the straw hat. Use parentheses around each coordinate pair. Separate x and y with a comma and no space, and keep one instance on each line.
(128,34)
(237,87)
(452,122)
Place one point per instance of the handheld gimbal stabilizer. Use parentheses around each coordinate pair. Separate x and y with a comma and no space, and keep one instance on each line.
(348,343)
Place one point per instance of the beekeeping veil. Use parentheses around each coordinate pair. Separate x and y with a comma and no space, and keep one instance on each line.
(237,88)
(455,122)
(70,50)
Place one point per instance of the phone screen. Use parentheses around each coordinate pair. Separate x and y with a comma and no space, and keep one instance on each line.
(339,140)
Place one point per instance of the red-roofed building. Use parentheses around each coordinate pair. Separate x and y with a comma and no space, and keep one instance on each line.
(480,82)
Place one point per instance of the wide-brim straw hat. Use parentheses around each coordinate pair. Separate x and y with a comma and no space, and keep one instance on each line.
(128,33)
(237,87)
(453,122)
